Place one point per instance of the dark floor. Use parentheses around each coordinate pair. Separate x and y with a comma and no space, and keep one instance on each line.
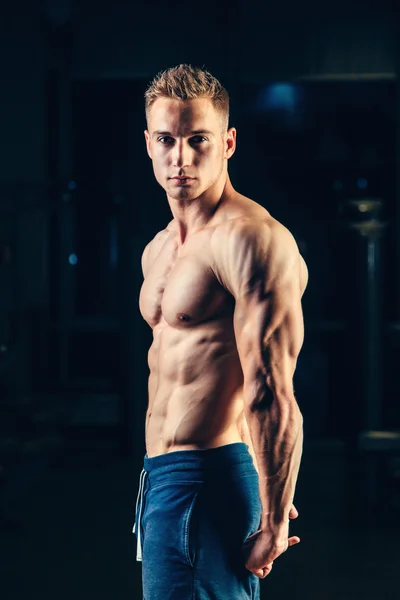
(69,537)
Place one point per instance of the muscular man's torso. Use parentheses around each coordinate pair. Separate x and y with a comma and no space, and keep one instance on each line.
(195,383)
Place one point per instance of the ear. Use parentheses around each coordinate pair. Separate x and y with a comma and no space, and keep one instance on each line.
(147,138)
(230,142)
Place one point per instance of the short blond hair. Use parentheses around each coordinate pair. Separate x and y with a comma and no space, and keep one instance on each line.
(185,82)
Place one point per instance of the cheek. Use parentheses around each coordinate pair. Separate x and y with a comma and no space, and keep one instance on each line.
(213,158)
(160,159)
(210,154)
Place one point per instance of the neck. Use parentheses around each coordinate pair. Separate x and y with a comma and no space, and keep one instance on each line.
(193,215)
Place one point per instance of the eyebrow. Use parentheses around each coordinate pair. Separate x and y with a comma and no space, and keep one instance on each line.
(196,132)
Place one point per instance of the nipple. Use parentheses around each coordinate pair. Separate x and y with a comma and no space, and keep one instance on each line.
(184,317)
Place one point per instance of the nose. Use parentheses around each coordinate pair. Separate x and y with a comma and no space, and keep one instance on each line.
(182,154)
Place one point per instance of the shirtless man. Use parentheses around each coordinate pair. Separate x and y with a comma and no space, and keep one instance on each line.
(222,293)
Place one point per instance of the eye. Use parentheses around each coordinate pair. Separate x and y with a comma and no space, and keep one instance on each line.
(198,139)
(165,139)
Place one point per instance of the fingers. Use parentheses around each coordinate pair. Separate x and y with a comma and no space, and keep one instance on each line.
(293,540)
(266,570)
(262,573)
(294,513)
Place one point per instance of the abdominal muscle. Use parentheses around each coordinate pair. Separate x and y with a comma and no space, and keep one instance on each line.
(195,389)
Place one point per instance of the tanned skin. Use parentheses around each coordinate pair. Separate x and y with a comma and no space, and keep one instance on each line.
(222,293)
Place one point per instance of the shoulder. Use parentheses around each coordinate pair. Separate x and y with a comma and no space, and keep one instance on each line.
(257,236)
(248,224)
(248,249)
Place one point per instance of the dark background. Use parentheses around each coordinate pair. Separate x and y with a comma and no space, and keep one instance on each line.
(315,100)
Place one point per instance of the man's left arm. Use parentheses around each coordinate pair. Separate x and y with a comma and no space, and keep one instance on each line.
(260,265)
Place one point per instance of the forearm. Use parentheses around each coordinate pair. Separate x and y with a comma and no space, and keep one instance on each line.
(244,433)
(276,431)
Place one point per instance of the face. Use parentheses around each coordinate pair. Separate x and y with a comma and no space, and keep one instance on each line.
(188,147)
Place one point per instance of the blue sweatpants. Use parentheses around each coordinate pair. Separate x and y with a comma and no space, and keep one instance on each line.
(194,510)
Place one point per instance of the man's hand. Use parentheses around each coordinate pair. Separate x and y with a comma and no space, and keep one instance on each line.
(266,544)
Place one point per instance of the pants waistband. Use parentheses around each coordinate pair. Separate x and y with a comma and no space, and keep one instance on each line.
(230,455)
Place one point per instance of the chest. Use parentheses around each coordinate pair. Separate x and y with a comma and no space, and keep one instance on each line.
(181,289)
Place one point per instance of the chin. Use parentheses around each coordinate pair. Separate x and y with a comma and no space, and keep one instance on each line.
(183,193)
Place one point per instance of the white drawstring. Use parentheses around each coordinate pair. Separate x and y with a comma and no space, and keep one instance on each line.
(140,495)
